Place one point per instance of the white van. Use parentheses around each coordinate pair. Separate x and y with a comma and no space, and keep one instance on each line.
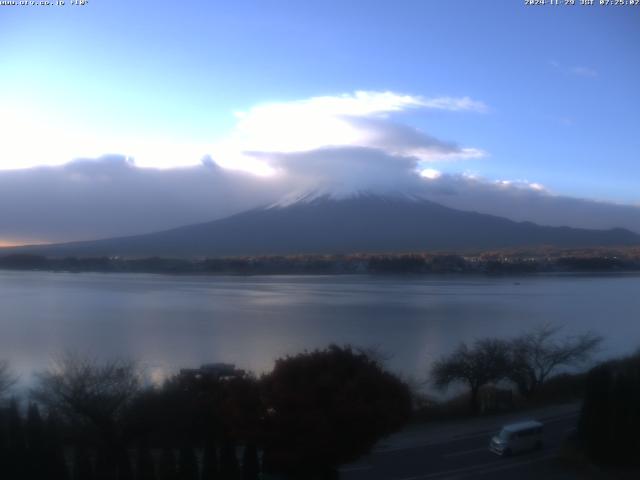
(517,437)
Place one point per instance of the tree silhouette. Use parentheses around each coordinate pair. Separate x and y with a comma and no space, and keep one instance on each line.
(144,463)
(229,469)
(4,444)
(36,443)
(17,448)
(484,362)
(35,428)
(187,463)
(125,472)
(56,465)
(250,464)
(538,353)
(167,467)
(184,410)
(610,416)
(79,386)
(210,461)
(82,467)
(328,407)
(7,379)
(95,394)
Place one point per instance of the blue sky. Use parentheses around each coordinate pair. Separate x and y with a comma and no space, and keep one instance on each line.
(559,84)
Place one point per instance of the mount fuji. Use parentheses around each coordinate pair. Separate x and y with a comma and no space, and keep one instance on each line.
(323,223)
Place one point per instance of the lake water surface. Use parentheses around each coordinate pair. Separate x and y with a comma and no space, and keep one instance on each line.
(170,322)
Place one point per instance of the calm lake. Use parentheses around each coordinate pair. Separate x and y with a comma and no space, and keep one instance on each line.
(170,322)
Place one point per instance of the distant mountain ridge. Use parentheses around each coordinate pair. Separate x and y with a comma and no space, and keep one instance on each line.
(323,224)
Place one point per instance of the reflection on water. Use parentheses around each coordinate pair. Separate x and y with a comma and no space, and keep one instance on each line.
(171,322)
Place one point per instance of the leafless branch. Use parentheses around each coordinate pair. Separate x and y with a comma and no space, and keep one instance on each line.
(79,385)
(7,379)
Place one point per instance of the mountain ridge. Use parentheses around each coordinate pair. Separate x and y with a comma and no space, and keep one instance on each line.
(322,224)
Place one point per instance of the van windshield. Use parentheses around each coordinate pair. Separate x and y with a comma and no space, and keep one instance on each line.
(504,435)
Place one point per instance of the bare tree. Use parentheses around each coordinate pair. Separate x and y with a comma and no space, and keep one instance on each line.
(538,353)
(7,379)
(486,361)
(78,385)
(91,393)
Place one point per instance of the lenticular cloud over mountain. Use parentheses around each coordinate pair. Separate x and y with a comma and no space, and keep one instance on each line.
(342,144)
(279,152)
(363,119)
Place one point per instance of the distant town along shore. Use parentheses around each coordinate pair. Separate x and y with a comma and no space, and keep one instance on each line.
(529,261)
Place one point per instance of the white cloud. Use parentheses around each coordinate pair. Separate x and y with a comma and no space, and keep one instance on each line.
(361,119)
(339,144)
(454,104)
(431,173)
(345,170)
(522,200)
(514,184)
(32,137)
(110,196)
(404,140)
(343,143)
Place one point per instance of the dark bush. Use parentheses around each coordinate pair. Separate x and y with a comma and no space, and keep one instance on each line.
(326,408)
(610,417)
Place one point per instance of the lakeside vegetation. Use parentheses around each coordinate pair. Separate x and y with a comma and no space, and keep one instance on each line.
(313,412)
(610,417)
(90,419)
(525,362)
(502,262)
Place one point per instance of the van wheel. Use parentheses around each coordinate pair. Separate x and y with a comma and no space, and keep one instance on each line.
(508,452)
(538,446)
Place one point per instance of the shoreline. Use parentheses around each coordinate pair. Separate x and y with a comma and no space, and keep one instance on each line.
(548,273)
(490,264)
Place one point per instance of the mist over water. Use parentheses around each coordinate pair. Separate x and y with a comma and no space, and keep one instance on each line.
(170,322)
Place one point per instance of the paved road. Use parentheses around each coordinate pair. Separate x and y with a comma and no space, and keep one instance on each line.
(464,458)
